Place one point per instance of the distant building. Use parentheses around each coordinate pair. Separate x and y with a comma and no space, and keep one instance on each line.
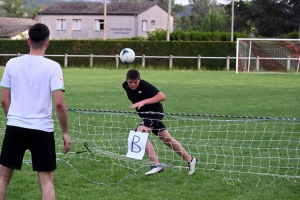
(85,20)
(15,28)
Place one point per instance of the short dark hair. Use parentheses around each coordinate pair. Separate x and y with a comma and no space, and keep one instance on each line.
(38,34)
(133,74)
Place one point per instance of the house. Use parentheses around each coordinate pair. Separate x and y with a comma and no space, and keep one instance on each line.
(85,20)
(15,28)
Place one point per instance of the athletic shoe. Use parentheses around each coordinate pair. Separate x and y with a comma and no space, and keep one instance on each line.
(192,165)
(155,169)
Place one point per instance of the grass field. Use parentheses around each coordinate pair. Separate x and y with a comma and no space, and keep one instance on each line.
(193,92)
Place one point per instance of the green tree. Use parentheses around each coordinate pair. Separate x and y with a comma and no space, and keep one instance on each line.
(270,18)
(177,8)
(202,7)
(243,19)
(196,22)
(32,13)
(183,23)
(213,21)
(294,14)
(13,8)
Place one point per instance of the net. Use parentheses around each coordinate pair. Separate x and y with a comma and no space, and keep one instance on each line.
(267,55)
(231,145)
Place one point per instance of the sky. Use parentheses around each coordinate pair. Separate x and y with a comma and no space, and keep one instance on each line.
(186,2)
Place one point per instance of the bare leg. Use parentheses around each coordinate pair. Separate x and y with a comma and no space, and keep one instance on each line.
(149,147)
(46,180)
(5,176)
(167,139)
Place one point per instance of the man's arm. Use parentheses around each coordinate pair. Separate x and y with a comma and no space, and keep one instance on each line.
(5,101)
(159,97)
(61,110)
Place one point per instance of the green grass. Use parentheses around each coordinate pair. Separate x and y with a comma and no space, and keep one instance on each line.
(194,92)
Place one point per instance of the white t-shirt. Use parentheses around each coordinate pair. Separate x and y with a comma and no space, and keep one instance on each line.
(31,80)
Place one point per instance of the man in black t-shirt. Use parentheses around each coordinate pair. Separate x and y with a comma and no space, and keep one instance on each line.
(146,98)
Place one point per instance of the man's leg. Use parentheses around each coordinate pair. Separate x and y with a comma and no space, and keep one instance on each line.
(149,147)
(5,176)
(167,139)
(156,167)
(46,180)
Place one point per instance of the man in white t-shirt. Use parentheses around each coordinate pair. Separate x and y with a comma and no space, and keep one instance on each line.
(29,82)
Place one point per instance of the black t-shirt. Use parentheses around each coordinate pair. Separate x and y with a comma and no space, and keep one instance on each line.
(144,91)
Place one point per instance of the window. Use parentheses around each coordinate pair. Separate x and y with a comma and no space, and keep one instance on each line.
(153,22)
(61,24)
(77,24)
(144,23)
(99,24)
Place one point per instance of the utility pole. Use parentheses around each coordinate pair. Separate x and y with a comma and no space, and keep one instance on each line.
(104,21)
(232,19)
(168,23)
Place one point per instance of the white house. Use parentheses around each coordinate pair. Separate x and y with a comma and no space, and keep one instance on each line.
(85,20)
(15,28)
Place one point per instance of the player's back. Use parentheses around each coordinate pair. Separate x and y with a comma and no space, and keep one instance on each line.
(31,97)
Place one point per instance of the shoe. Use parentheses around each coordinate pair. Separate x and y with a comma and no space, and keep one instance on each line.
(155,169)
(192,165)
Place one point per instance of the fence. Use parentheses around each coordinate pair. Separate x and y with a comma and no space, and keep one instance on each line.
(171,58)
(143,57)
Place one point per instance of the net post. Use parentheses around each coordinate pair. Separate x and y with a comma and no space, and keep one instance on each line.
(237,56)
(257,63)
(288,65)
(298,65)
(249,57)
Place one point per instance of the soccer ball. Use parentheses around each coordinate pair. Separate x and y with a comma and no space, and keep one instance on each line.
(127,55)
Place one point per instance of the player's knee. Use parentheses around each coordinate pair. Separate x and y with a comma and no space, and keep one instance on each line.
(143,129)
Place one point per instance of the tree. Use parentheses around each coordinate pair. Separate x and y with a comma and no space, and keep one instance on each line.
(213,21)
(294,14)
(200,7)
(177,8)
(32,13)
(183,23)
(271,18)
(13,8)
(243,19)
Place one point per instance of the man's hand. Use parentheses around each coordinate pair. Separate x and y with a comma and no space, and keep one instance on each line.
(67,142)
(137,105)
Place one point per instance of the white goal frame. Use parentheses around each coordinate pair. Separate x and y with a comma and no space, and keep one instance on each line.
(291,63)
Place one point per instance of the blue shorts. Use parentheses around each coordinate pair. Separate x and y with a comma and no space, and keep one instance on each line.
(41,144)
(154,121)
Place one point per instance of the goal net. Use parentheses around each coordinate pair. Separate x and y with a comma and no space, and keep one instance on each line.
(267,55)
(227,144)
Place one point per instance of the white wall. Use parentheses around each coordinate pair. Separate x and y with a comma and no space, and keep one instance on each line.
(154,14)
(117,26)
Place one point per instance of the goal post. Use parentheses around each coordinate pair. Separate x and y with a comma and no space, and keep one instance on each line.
(267,55)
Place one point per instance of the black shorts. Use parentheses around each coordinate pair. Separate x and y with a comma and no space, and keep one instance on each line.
(154,121)
(40,143)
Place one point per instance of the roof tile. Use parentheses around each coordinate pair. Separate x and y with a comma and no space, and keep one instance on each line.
(97,8)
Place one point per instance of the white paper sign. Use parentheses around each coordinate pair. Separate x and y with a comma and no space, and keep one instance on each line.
(136,145)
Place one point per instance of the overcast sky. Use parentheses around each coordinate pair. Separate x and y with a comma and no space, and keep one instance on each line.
(186,2)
